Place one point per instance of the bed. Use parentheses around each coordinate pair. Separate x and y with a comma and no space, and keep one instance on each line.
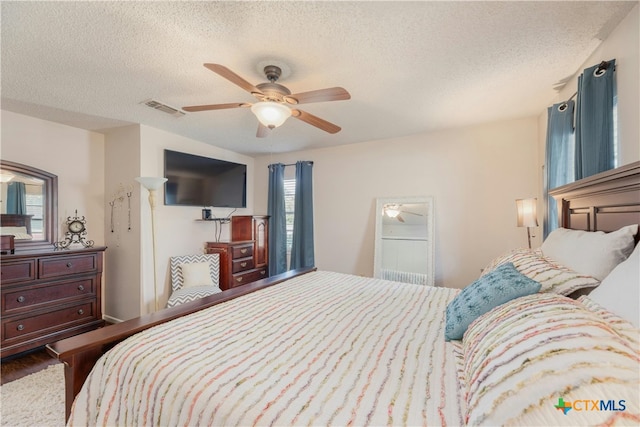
(17,225)
(284,351)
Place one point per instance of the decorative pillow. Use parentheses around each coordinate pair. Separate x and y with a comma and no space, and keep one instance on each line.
(557,278)
(497,287)
(619,292)
(553,277)
(594,253)
(534,359)
(518,257)
(196,274)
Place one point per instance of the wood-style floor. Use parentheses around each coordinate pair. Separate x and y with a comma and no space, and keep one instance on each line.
(15,367)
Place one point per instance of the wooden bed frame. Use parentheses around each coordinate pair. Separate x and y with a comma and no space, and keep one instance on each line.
(81,352)
(604,202)
(16,220)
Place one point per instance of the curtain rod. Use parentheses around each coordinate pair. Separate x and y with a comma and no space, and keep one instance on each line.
(603,66)
(564,104)
(292,164)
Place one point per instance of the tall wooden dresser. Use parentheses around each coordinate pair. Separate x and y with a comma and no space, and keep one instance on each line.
(49,295)
(245,258)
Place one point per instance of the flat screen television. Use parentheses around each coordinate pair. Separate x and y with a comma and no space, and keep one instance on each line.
(202,181)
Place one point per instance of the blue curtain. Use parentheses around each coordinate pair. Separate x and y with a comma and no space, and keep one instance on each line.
(277,220)
(558,157)
(302,247)
(16,198)
(594,151)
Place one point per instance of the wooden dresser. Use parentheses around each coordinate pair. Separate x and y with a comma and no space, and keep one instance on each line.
(49,295)
(245,258)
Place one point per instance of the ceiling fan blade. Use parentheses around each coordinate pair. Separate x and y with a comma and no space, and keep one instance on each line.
(320,95)
(263,131)
(315,121)
(223,71)
(412,213)
(194,108)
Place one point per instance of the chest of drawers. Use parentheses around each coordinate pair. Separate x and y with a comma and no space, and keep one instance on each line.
(47,296)
(237,263)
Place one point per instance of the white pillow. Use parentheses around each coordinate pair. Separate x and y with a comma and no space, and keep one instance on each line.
(196,274)
(619,292)
(590,252)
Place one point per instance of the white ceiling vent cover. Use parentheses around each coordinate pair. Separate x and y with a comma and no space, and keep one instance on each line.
(157,105)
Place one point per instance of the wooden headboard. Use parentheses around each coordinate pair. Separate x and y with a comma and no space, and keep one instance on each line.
(16,220)
(602,202)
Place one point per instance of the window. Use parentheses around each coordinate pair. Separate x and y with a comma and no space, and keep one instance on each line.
(34,202)
(289,207)
(615,130)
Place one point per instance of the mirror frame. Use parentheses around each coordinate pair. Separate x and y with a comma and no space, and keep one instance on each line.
(50,190)
(377,259)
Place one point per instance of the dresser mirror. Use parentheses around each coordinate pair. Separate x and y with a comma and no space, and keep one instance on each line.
(28,206)
(404,240)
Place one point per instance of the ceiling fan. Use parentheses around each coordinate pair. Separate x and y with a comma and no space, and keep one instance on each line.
(393,210)
(273,109)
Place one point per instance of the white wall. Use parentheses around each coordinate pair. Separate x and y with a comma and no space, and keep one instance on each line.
(74,155)
(474,174)
(177,230)
(123,295)
(90,168)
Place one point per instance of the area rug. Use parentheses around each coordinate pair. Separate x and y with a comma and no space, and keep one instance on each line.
(35,400)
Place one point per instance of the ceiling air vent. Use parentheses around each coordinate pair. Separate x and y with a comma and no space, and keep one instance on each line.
(157,105)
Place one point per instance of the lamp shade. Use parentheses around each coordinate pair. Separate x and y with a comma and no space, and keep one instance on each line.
(271,114)
(527,215)
(151,182)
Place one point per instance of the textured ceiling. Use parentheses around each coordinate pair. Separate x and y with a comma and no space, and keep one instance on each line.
(411,67)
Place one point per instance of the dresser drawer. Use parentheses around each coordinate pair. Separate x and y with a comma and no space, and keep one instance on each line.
(242,251)
(13,272)
(31,297)
(250,276)
(51,321)
(242,264)
(55,267)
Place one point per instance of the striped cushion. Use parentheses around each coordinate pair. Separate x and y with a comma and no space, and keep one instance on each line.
(620,325)
(552,276)
(182,293)
(190,294)
(528,356)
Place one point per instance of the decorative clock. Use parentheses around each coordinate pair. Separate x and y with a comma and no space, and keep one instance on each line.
(76,233)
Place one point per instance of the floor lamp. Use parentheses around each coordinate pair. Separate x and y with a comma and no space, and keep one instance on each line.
(527,215)
(152,183)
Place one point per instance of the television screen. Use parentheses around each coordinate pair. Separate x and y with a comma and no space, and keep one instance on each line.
(201,181)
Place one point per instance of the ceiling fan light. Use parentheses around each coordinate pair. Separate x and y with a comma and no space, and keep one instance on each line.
(6,176)
(391,211)
(271,114)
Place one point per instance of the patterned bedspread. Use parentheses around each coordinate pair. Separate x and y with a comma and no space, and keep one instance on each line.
(322,349)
